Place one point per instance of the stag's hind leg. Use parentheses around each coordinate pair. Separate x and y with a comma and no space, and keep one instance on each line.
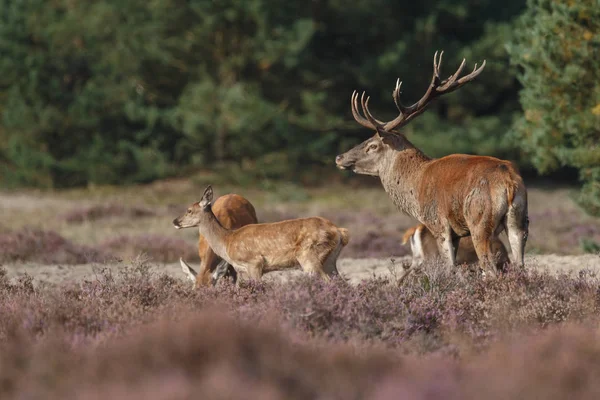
(482,241)
(517,228)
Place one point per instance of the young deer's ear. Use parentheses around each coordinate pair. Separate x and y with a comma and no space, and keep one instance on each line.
(206,197)
(189,272)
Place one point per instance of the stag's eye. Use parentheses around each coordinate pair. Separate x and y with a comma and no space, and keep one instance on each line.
(372,146)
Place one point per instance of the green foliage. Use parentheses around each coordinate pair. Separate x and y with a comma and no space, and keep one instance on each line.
(590,246)
(557,46)
(113,92)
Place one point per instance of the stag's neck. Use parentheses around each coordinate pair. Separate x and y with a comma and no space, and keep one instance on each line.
(401,176)
(216,236)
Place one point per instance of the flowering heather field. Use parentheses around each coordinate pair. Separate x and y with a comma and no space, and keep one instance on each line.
(95,325)
(443,335)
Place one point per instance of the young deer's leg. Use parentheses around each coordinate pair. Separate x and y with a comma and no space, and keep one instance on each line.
(311,264)
(255,268)
(232,273)
(239,280)
(220,271)
(455,244)
(418,256)
(330,265)
(406,270)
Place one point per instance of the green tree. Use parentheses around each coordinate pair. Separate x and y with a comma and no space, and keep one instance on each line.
(557,47)
(118,92)
(241,51)
(367,44)
(70,110)
(111,92)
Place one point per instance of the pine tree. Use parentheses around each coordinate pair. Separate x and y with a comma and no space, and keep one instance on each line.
(557,47)
(120,92)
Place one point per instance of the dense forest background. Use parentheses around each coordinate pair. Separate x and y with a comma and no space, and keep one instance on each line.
(121,92)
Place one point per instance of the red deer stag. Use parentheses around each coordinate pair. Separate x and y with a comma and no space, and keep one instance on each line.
(311,243)
(453,196)
(423,247)
(232,211)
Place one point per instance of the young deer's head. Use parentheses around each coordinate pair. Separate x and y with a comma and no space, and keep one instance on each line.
(197,213)
(373,156)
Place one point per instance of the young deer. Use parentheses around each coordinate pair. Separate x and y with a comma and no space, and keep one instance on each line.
(311,243)
(423,247)
(232,211)
(454,196)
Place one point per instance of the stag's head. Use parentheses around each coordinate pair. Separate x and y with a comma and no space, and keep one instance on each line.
(197,213)
(372,155)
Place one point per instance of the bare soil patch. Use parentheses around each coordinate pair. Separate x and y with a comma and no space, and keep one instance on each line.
(354,270)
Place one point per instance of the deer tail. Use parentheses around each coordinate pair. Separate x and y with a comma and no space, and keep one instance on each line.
(345,236)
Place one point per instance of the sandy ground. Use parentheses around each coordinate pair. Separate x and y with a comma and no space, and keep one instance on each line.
(355,270)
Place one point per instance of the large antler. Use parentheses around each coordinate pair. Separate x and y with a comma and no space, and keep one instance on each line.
(437,87)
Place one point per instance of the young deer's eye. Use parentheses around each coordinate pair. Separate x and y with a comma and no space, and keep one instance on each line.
(189,211)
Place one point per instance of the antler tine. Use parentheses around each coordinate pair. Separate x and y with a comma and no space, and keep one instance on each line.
(472,75)
(396,96)
(357,116)
(450,81)
(435,82)
(406,113)
(365,106)
(436,88)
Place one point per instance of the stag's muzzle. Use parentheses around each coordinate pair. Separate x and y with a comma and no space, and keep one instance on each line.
(341,163)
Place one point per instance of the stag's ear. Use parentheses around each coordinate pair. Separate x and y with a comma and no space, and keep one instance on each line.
(395,140)
(207,197)
(383,134)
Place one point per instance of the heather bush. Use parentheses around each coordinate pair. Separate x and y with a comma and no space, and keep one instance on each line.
(376,244)
(425,314)
(120,333)
(572,233)
(184,353)
(46,247)
(158,247)
(102,211)
(519,299)
(49,247)
(373,310)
